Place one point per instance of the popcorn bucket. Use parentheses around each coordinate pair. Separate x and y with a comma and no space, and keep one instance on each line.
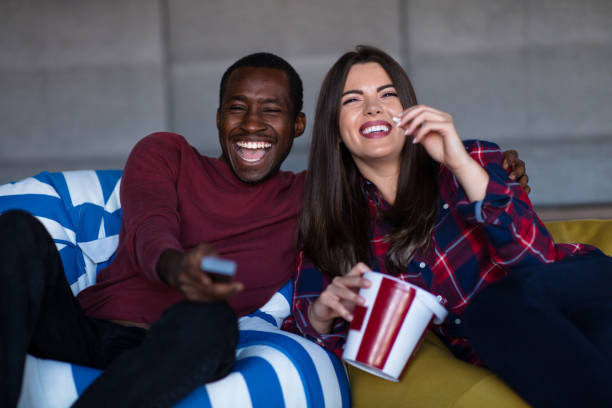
(387,329)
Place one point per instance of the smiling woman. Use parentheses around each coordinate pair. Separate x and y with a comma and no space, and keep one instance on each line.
(366,124)
(368,105)
(391,187)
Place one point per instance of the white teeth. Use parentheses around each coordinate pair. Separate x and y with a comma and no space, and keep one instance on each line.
(377,128)
(254,145)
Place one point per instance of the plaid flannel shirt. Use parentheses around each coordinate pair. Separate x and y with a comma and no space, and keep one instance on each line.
(474,244)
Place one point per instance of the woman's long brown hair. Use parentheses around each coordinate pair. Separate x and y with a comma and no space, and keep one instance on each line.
(334,226)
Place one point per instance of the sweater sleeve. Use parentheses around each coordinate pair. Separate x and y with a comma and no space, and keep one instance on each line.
(309,283)
(149,199)
(516,235)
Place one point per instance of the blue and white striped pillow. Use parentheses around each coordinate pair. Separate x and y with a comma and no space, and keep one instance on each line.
(81,210)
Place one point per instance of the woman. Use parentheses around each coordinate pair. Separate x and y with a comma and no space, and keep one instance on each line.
(392,187)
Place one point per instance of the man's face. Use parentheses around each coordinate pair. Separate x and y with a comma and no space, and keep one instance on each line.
(256,122)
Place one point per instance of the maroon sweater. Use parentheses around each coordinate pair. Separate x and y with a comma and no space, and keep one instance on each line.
(174,198)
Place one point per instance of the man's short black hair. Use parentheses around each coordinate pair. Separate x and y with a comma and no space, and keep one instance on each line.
(268,60)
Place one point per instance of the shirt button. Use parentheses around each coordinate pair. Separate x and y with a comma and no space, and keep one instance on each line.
(445,206)
(422,265)
(457,321)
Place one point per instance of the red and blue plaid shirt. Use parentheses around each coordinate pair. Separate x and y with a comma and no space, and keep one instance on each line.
(474,244)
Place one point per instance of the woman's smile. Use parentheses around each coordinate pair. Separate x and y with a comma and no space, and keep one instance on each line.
(375,129)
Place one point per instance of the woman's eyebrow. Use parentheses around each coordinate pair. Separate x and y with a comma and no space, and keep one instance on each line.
(357,91)
(380,88)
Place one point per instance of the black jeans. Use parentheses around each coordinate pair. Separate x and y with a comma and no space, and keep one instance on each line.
(547,331)
(191,344)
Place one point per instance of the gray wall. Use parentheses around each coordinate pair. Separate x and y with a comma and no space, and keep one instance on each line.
(82,81)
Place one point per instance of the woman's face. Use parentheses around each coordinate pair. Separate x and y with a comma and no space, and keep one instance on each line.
(369,102)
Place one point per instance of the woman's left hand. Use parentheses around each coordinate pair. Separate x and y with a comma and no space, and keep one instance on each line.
(435,130)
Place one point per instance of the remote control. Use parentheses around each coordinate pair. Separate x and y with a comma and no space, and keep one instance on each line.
(219,266)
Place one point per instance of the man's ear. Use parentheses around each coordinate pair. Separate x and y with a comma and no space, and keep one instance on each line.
(299,125)
(218,118)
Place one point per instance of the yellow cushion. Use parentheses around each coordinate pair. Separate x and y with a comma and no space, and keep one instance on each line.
(434,378)
(593,232)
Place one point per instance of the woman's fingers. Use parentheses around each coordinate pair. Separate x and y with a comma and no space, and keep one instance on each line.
(346,290)
(341,295)
(425,123)
(414,116)
(442,128)
(333,302)
(359,269)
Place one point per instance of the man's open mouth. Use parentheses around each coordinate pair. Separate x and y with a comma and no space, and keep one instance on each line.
(252,151)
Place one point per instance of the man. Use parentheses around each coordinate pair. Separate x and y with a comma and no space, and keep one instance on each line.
(155,322)
(177,207)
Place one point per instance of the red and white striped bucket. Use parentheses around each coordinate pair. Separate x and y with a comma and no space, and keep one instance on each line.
(387,329)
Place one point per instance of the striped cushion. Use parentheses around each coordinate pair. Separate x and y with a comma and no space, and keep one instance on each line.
(82,211)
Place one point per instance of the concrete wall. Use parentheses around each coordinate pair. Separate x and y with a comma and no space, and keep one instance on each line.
(81,82)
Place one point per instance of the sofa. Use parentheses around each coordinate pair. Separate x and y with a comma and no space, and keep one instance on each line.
(82,212)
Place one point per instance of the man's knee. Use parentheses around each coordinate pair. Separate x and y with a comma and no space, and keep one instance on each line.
(201,324)
(20,226)
(202,335)
(17,218)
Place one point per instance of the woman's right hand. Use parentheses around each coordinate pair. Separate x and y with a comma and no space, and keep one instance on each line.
(338,299)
